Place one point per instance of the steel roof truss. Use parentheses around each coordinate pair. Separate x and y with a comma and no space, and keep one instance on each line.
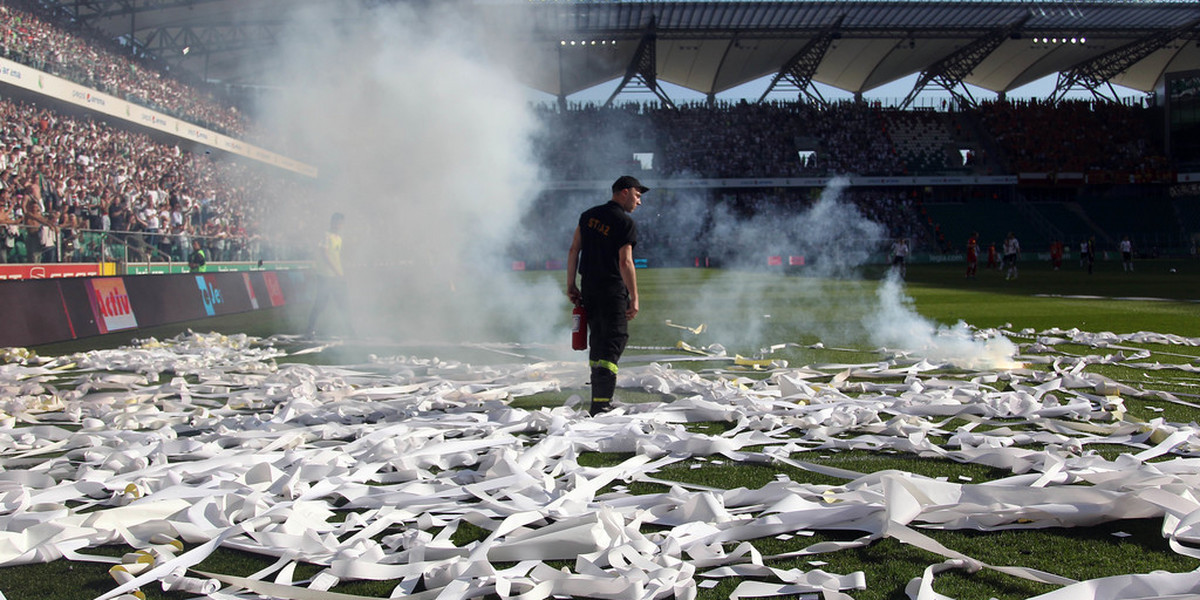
(642,73)
(1096,73)
(799,70)
(90,11)
(950,72)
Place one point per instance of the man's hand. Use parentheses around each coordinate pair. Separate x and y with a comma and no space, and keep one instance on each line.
(573,293)
(632,311)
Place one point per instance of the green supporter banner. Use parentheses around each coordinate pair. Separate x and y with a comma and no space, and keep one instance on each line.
(157,268)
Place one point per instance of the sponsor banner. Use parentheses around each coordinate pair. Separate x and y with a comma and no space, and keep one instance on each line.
(554,265)
(31,79)
(53,310)
(173,298)
(33,313)
(260,293)
(250,290)
(76,298)
(295,285)
(796,261)
(210,294)
(51,271)
(939,258)
(774,261)
(111,305)
(207,294)
(274,291)
(164,299)
(518,265)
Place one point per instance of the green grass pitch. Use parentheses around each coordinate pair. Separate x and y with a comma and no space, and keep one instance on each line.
(820,320)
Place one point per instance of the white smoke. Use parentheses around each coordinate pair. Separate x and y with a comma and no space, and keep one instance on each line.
(837,241)
(896,324)
(424,144)
(834,239)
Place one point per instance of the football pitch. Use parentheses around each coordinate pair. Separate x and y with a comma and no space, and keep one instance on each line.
(779,435)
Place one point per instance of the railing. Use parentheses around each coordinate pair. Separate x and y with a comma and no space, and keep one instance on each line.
(31,244)
(931,101)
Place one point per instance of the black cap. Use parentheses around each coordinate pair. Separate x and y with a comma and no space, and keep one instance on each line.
(626,181)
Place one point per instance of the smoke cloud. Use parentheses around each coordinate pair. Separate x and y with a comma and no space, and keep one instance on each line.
(424,145)
(836,240)
(896,324)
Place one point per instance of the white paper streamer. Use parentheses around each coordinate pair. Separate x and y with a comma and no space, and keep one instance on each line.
(176,581)
(207,440)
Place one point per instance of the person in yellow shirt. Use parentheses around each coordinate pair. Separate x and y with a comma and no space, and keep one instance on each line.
(329,279)
(197,261)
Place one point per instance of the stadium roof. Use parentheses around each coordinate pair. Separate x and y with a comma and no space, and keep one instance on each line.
(713,46)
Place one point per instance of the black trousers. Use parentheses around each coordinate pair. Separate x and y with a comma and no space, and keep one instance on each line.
(608,329)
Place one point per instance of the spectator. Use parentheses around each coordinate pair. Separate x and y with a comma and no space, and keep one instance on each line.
(29,36)
(99,178)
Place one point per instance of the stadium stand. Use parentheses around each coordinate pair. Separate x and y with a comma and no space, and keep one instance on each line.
(1074,136)
(1067,219)
(91,60)
(72,184)
(923,141)
(1187,206)
(720,141)
(1066,151)
(1105,141)
(69,182)
(1151,222)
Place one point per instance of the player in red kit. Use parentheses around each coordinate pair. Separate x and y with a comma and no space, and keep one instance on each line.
(972,254)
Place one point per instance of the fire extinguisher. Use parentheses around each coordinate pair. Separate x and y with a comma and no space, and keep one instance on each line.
(579,328)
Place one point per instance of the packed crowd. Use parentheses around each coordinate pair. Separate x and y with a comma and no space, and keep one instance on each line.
(1073,136)
(793,139)
(726,140)
(73,188)
(97,63)
(76,189)
(741,140)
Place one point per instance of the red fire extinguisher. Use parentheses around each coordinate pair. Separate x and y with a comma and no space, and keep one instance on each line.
(579,328)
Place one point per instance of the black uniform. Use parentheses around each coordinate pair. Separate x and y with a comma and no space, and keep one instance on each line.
(603,231)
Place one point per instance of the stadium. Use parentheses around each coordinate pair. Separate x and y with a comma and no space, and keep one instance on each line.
(832,387)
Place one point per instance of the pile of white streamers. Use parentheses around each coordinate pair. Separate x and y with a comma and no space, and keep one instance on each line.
(179,447)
